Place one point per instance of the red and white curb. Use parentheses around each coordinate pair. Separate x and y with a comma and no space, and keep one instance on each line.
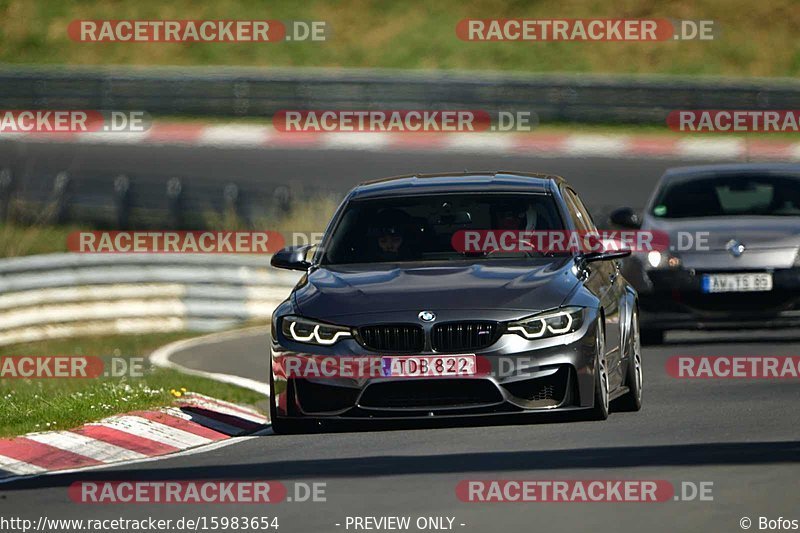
(195,420)
(701,146)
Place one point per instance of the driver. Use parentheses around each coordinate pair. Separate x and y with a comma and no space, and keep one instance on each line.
(389,240)
(391,235)
(517,218)
(510,217)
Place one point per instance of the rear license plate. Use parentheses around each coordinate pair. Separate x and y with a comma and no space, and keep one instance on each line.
(428,365)
(737,282)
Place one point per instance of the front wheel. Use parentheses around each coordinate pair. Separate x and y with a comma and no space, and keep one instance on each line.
(601,402)
(632,401)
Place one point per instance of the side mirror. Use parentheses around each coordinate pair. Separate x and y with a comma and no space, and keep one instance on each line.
(292,258)
(625,217)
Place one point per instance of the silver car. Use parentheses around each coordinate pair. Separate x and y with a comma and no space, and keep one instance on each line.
(733,259)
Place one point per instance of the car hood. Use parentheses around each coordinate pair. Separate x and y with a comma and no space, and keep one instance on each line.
(756,233)
(519,288)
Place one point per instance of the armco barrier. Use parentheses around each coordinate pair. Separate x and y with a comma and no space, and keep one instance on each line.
(585,98)
(64,295)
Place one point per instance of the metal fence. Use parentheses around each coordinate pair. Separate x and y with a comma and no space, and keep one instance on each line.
(261,92)
(65,295)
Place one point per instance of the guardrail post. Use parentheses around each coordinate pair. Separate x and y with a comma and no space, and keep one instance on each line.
(175,201)
(230,210)
(283,199)
(6,186)
(60,199)
(122,200)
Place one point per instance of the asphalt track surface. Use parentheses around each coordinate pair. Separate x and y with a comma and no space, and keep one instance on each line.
(742,435)
(602,182)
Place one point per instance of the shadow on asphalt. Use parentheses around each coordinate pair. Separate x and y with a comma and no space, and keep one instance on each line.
(750,453)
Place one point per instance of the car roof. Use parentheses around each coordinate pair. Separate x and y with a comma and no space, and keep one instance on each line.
(454,182)
(676,173)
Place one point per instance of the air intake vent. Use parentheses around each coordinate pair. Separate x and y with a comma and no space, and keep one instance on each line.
(393,337)
(464,336)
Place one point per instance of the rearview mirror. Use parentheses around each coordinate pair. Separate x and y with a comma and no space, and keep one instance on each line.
(625,217)
(292,258)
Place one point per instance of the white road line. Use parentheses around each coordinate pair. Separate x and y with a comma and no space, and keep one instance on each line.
(85,446)
(19,467)
(149,429)
(161,358)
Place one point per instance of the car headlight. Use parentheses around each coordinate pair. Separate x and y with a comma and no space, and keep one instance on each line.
(549,324)
(312,332)
(658,259)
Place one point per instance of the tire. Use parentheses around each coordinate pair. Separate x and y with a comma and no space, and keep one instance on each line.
(652,337)
(632,400)
(600,409)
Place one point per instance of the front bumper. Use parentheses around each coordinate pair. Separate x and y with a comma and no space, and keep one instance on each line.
(524,377)
(673,299)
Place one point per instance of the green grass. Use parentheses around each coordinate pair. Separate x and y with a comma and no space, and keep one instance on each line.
(754,38)
(17,240)
(309,215)
(28,405)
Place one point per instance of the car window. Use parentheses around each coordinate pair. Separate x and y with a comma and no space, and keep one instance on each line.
(736,195)
(422,227)
(583,213)
(577,213)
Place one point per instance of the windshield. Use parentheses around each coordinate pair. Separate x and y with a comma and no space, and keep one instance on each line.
(421,228)
(739,195)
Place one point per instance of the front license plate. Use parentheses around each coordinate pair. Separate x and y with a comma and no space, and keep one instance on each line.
(428,366)
(737,282)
